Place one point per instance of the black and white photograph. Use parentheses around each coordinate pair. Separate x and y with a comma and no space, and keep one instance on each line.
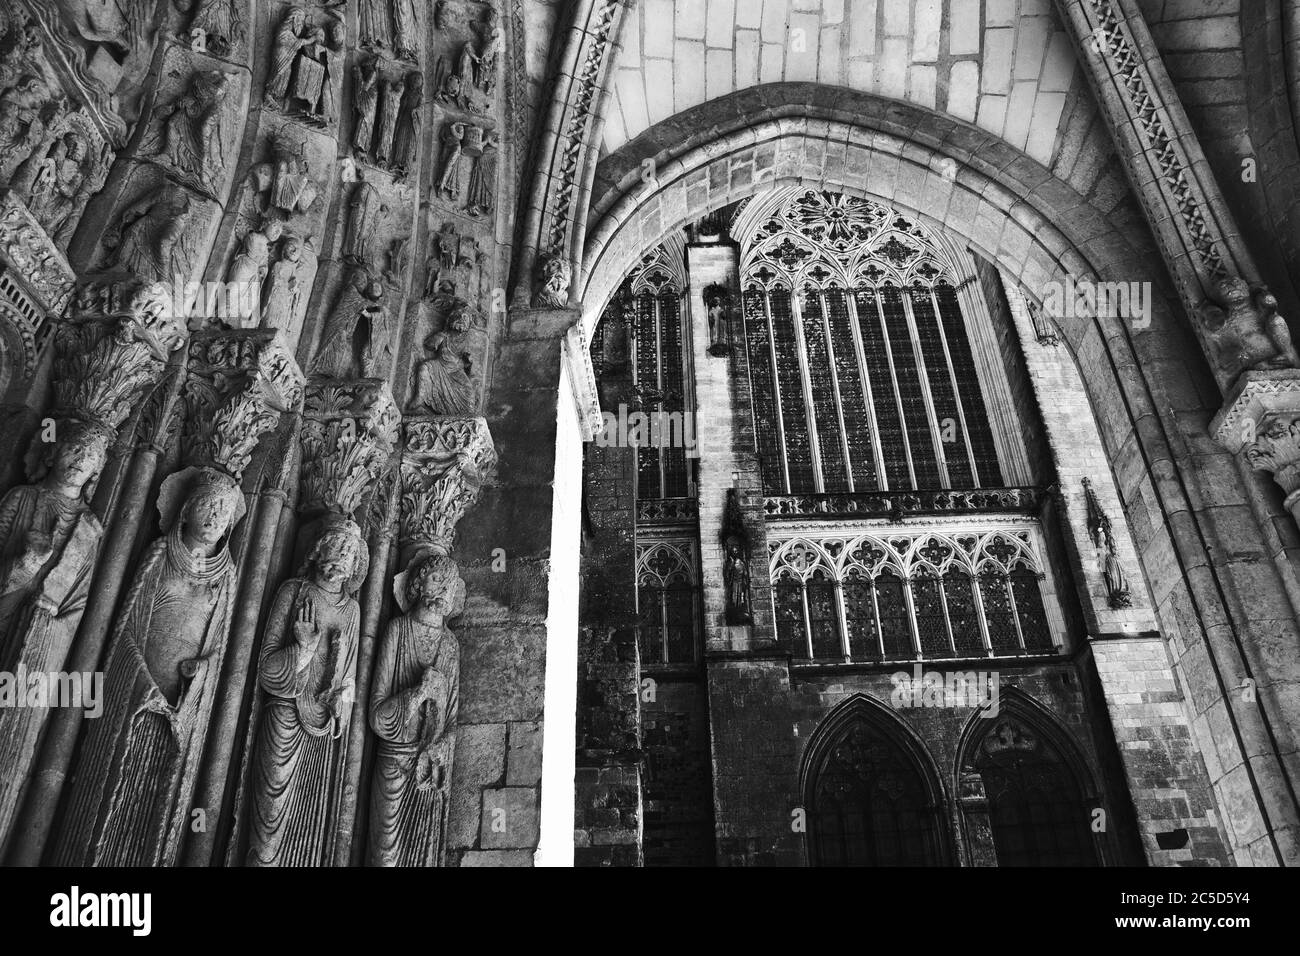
(650,434)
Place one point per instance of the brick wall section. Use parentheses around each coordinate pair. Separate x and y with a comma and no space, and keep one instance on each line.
(678,772)
(1167,777)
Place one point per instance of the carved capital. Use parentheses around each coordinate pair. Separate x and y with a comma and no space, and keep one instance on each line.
(30,254)
(113,350)
(237,386)
(582,381)
(1261,419)
(445,461)
(349,430)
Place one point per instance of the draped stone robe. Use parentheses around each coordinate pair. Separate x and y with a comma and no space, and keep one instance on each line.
(413,762)
(301,749)
(139,762)
(39,613)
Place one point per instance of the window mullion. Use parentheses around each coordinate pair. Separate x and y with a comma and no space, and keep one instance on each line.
(947,616)
(875,609)
(776,392)
(663,624)
(660,454)
(1015,612)
(807,618)
(835,387)
(977,587)
(882,480)
(810,411)
(956,390)
(922,374)
(911,618)
(898,394)
(844,621)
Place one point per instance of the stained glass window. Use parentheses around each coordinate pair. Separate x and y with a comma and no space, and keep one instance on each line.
(864,379)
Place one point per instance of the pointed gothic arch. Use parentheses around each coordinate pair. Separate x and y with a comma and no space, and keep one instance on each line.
(871,791)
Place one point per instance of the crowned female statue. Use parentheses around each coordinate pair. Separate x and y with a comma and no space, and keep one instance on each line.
(138,765)
(49,542)
(414,697)
(307,674)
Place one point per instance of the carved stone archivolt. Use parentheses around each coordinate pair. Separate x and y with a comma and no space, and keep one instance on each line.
(29,253)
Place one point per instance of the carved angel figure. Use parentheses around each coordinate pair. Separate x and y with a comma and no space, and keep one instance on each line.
(193,141)
(307,674)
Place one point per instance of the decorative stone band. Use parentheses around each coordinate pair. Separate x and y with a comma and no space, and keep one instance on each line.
(557,209)
(238,384)
(900,504)
(32,256)
(667,511)
(1261,417)
(445,461)
(582,381)
(349,431)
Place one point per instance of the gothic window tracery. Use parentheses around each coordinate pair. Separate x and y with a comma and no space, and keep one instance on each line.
(917,594)
(862,373)
(667,582)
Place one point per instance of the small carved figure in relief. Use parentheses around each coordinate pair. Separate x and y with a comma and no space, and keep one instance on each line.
(735,561)
(307,672)
(490,55)
(443,382)
(407,136)
(313,84)
(453,138)
(153,235)
(139,762)
(372,19)
(365,104)
(288,179)
(389,108)
(21,122)
(192,130)
(249,268)
(414,702)
(355,341)
(555,274)
(1245,328)
(283,293)
(222,23)
(289,40)
(68,175)
(364,211)
(482,181)
(443,265)
(406,30)
(49,543)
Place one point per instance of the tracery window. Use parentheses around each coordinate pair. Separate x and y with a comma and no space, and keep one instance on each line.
(660,371)
(907,595)
(862,373)
(668,601)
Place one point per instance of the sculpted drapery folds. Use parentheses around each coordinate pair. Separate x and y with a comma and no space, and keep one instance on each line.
(49,542)
(137,768)
(307,673)
(413,706)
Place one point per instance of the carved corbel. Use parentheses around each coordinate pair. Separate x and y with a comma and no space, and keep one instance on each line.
(349,431)
(238,384)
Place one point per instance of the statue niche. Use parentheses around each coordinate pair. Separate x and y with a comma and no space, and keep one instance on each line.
(414,699)
(138,765)
(307,673)
(49,542)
